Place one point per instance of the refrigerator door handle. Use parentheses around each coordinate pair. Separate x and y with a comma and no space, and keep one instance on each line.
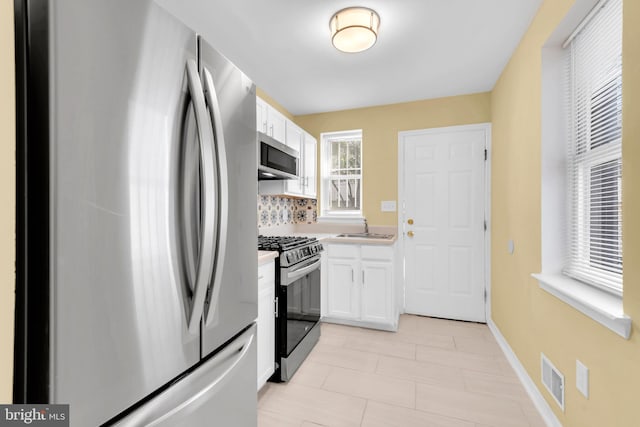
(208,199)
(193,390)
(223,192)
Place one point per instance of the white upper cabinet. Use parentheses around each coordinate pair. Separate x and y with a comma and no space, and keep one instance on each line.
(293,137)
(274,124)
(294,140)
(270,121)
(261,116)
(310,147)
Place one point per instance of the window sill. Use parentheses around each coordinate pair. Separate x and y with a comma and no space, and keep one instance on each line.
(601,306)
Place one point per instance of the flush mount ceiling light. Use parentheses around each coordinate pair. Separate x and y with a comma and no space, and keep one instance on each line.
(354,29)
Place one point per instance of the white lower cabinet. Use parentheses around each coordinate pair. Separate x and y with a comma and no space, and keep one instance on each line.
(377,287)
(343,292)
(266,322)
(360,286)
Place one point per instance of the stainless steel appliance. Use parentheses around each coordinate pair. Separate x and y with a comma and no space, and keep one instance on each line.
(136,272)
(276,160)
(297,300)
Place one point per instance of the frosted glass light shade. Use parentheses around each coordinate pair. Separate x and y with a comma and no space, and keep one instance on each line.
(354,29)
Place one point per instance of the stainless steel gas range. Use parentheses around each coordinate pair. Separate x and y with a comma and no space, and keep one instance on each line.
(297,300)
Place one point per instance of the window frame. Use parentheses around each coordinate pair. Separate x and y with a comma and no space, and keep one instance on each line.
(326,214)
(590,145)
(602,307)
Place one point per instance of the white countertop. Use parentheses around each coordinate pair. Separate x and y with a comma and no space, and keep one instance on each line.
(319,236)
(266,256)
(329,233)
(362,240)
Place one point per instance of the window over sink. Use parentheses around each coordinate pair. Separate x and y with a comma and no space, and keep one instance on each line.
(341,166)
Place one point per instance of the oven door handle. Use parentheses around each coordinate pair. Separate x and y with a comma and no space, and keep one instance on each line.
(295,275)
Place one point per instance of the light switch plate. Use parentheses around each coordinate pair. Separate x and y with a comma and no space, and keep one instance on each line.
(582,378)
(388,206)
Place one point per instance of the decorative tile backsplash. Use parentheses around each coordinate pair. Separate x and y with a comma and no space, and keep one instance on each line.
(277,210)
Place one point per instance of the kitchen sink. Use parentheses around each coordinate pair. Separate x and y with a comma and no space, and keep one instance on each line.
(366,235)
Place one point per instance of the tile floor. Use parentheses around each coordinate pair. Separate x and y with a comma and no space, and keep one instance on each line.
(432,372)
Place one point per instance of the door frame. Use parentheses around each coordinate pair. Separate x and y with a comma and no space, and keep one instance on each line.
(486,127)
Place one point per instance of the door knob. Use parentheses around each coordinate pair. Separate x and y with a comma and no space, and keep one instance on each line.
(410,233)
(410,221)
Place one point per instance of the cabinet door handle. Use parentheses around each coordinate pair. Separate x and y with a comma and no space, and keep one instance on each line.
(362,277)
(271,130)
(276,307)
(351,275)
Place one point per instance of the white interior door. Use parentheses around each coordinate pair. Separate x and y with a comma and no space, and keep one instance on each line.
(444,221)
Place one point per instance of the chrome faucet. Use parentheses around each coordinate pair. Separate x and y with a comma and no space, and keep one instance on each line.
(366,226)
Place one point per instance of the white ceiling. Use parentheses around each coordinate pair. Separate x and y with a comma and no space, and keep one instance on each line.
(425,49)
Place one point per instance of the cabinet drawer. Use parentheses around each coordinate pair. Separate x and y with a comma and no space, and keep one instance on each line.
(343,251)
(377,252)
(266,273)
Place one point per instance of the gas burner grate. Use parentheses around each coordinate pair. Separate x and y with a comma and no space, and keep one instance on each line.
(283,243)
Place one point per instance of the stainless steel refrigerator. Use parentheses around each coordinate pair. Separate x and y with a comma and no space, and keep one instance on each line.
(136,236)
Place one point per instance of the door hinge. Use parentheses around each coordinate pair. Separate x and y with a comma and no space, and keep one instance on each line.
(485,154)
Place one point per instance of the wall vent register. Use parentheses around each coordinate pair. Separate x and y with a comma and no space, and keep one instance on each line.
(553,380)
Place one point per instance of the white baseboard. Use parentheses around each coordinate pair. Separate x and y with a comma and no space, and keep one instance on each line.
(541,405)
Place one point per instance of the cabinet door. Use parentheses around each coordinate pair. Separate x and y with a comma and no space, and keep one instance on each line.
(377,280)
(310,155)
(277,125)
(294,136)
(324,281)
(261,116)
(266,323)
(343,299)
(294,140)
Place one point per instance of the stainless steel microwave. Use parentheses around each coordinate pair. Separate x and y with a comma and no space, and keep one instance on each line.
(276,160)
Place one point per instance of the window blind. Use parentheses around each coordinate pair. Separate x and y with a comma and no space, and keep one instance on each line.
(594,167)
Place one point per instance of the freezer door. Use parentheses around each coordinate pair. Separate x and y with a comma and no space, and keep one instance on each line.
(220,392)
(120,116)
(233,294)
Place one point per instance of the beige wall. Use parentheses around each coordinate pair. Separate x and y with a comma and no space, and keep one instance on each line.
(380,127)
(7,199)
(532,320)
(275,104)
